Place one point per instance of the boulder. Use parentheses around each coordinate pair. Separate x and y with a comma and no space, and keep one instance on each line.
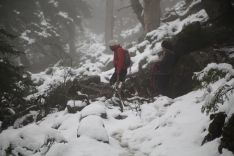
(218,9)
(215,127)
(90,79)
(227,140)
(90,87)
(189,39)
(139,84)
(92,126)
(74,106)
(95,108)
(181,80)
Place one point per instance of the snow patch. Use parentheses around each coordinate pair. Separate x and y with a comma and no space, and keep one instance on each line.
(93,127)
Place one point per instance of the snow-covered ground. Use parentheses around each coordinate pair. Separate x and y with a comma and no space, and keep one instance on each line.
(164,127)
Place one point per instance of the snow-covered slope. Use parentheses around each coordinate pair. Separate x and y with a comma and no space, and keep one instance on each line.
(164,127)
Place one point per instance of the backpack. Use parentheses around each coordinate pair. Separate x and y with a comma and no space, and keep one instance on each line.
(128,61)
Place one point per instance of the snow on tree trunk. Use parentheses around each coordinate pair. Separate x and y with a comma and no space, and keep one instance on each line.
(151,14)
(109,21)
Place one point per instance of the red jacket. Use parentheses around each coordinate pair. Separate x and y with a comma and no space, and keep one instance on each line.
(119,58)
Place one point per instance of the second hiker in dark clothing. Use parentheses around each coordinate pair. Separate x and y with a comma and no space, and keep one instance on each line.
(168,60)
(119,63)
(162,69)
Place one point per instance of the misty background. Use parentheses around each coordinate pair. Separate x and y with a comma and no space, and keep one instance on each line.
(52,31)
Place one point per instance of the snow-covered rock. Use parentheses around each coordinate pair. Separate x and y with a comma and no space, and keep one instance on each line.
(96,108)
(93,127)
(29,140)
(75,105)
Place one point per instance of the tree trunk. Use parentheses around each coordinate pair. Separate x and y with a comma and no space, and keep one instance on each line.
(138,9)
(152,14)
(109,21)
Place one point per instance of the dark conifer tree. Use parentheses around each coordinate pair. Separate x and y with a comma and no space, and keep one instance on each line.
(15,84)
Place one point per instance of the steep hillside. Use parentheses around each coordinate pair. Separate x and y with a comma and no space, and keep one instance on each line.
(74,111)
(164,126)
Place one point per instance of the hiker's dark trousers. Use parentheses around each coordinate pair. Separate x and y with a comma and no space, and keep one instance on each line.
(122,76)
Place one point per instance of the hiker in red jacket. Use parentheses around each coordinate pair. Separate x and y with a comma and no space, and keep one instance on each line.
(119,62)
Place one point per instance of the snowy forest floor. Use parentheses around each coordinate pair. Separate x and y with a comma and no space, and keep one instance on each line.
(164,127)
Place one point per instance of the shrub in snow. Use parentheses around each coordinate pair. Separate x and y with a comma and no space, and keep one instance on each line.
(15,83)
(212,73)
(75,105)
(94,109)
(93,127)
(212,76)
(29,140)
(219,97)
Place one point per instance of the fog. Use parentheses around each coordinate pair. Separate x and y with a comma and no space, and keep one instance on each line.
(49,31)
(123,13)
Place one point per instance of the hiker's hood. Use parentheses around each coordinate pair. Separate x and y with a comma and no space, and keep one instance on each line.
(115,47)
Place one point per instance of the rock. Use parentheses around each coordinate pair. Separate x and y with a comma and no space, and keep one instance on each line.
(218,9)
(215,127)
(189,39)
(139,84)
(195,46)
(95,108)
(90,86)
(75,105)
(181,80)
(90,79)
(57,97)
(227,140)
(92,126)
(120,117)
